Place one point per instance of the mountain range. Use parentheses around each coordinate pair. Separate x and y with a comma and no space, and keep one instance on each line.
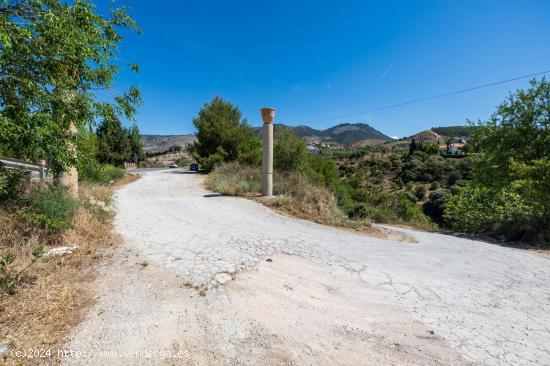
(343,134)
(154,143)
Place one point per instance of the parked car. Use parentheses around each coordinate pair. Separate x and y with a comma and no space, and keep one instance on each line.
(173,165)
(194,167)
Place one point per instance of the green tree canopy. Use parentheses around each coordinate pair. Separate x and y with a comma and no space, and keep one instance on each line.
(223,136)
(54,57)
(518,133)
(136,146)
(113,143)
(510,191)
(289,151)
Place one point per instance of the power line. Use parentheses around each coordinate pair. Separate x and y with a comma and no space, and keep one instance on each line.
(427,98)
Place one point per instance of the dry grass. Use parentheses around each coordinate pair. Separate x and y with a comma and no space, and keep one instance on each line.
(49,300)
(298,197)
(233,179)
(294,195)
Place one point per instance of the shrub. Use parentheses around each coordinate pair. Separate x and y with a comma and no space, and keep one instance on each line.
(289,151)
(409,212)
(234,179)
(435,205)
(111,173)
(52,209)
(10,183)
(420,192)
(9,276)
(102,174)
(321,171)
(296,193)
(477,209)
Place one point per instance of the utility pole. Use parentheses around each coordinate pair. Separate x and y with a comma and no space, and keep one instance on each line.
(268,114)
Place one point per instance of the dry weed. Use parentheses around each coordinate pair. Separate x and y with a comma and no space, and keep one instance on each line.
(50,299)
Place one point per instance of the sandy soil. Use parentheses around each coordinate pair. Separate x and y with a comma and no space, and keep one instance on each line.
(204,279)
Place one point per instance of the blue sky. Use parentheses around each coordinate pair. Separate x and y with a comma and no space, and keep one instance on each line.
(317,59)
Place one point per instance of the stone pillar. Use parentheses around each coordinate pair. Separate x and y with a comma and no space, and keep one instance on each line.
(268,114)
(42,172)
(69,178)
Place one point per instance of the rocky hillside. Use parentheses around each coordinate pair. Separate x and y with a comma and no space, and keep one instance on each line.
(154,143)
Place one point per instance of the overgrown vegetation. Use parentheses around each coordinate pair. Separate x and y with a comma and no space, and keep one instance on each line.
(500,189)
(41,293)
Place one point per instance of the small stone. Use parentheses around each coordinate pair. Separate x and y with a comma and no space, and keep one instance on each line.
(222,278)
(60,251)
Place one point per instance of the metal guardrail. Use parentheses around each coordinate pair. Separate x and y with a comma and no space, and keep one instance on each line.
(41,168)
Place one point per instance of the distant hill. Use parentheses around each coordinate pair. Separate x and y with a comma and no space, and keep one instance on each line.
(343,134)
(436,135)
(154,143)
(454,131)
(356,134)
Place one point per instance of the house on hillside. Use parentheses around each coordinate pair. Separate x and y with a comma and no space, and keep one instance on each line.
(456,149)
(313,149)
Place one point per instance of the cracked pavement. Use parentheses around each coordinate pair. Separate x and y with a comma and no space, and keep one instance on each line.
(491,303)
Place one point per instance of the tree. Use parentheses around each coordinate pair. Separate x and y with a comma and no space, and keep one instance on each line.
(412,147)
(511,172)
(54,57)
(223,136)
(518,133)
(87,148)
(289,151)
(136,146)
(113,144)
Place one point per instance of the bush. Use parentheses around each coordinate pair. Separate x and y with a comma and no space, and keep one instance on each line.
(289,151)
(10,276)
(111,173)
(10,183)
(52,209)
(477,209)
(407,210)
(103,174)
(321,171)
(234,179)
(296,193)
(420,192)
(435,205)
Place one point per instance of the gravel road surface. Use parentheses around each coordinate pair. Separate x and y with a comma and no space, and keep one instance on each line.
(223,280)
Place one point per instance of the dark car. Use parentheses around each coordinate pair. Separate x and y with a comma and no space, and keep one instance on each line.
(194,167)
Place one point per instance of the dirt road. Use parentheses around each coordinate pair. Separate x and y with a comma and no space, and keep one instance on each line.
(205,279)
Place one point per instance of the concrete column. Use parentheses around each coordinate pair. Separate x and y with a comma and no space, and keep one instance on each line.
(268,114)
(69,178)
